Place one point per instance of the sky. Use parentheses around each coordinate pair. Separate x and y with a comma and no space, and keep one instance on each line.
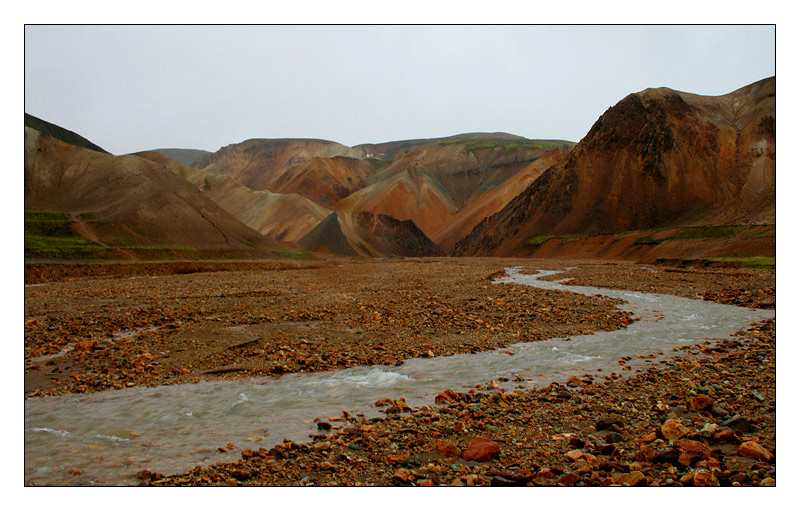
(134,88)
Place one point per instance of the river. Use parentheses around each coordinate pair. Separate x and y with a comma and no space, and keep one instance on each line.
(105,438)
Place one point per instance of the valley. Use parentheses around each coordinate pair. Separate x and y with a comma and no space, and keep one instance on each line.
(404,274)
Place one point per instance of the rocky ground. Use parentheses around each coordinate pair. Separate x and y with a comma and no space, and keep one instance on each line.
(703,417)
(148,326)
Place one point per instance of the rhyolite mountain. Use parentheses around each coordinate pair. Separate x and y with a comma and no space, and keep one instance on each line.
(126,203)
(281,217)
(662,174)
(430,184)
(659,158)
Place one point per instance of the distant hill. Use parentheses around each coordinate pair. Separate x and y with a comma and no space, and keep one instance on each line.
(390,150)
(184,156)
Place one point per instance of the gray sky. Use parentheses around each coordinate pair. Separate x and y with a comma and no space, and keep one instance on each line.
(132,88)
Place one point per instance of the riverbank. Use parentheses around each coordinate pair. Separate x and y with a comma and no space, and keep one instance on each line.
(85,335)
(366,308)
(706,417)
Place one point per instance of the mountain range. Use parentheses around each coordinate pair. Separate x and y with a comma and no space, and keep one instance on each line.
(662,174)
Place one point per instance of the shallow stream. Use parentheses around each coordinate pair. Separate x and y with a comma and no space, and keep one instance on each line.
(105,438)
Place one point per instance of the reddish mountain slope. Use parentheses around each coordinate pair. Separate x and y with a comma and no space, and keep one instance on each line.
(325,180)
(430,184)
(282,217)
(489,203)
(261,163)
(658,158)
(369,235)
(127,200)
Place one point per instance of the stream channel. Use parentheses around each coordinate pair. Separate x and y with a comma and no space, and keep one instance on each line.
(105,438)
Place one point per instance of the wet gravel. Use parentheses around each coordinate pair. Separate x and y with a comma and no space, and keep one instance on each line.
(703,417)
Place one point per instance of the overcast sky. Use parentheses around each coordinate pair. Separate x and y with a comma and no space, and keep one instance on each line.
(133,88)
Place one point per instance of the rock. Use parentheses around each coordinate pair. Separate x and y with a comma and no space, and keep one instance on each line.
(709,428)
(403,475)
(673,429)
(701,402)
(447,449)
(730,436)
(481,449)
(573,381)
(635,478)
(738,423)
(605,422)
(499,480)
(647,454)
(704,478)
(691,451)
(325,426)
(546,473)
(718,411)
(426,482)
(609,436)
(247,453)
(575,454)
(677,412)
(755,450)
(569,479)
(84,345)
(241,475)
(767,481)
(322,446)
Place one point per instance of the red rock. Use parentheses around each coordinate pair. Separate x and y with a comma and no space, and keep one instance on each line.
(701,402)
(646,454)
(634,478)
(755,450)
(247,453)
(481,449)
(673,429)
(426,482)
(691,451)
(403,475)
(575,454)
(704,478)
(84,345)
(545,473)
(446,396)
(569,479)
(447,449)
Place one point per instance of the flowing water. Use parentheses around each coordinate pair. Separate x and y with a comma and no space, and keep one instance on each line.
(107,437)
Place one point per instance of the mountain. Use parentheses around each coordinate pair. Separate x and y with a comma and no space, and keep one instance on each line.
(184,156)
(492,201)
(369,235)
(430,184)
(260,163)
(659,158)
(390,150)
(281,217)
(326,180)
(61,134)
(128,204)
